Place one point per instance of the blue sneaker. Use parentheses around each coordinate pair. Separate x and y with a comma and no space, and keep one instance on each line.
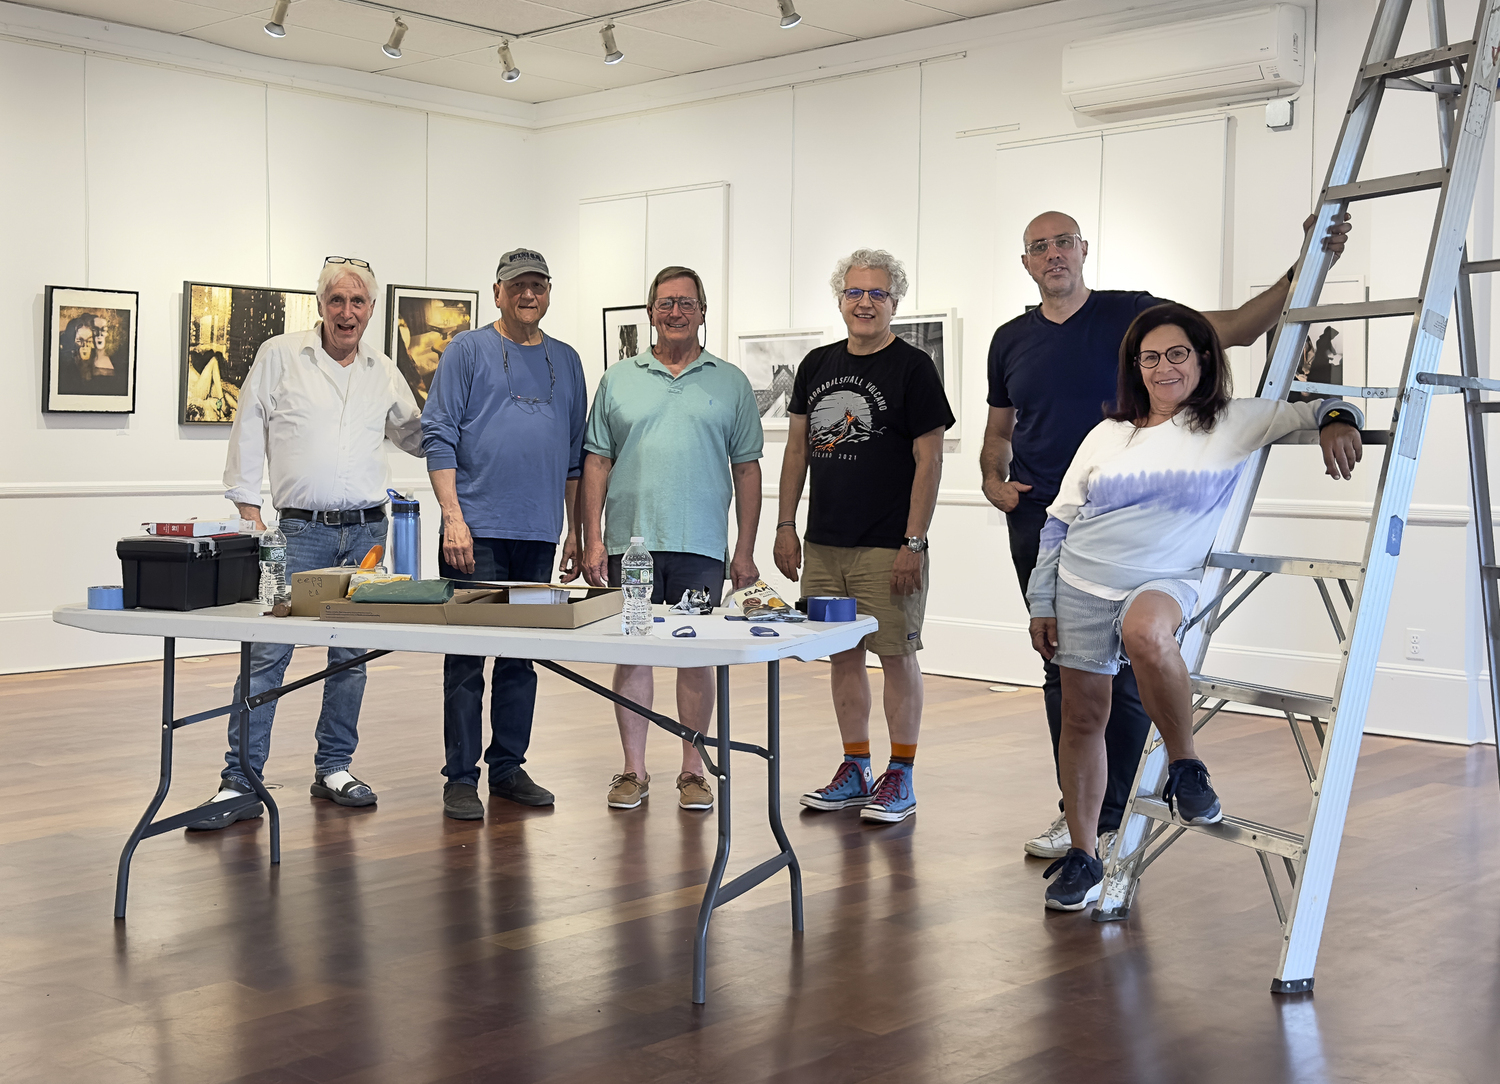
(1188,794)
(894,799)
(851,786)
(1079,877)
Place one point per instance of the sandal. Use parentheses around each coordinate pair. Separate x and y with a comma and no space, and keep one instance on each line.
(353,793)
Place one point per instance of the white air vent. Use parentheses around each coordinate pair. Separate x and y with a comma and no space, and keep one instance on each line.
(1201,63)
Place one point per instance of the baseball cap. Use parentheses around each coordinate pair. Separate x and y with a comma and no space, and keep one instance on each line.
(518,261)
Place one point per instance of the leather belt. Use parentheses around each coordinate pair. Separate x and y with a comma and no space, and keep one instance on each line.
(336,519)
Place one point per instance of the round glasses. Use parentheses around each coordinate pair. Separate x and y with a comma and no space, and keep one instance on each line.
(1177,355)
(688,305)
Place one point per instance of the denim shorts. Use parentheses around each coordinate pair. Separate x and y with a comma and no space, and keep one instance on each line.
(1088,627)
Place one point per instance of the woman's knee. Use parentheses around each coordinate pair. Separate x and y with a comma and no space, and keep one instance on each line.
(1086,702)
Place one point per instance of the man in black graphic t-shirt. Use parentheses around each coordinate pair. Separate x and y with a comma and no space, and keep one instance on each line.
(867,417)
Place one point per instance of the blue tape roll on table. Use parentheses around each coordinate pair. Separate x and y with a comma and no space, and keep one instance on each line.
(106,598)
(831,608)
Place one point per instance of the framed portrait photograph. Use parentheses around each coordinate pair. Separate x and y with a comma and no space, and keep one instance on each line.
(770,360)
(88,351)
(1332,353)
(222,328)
(627,332)
(419,324)
(937,334)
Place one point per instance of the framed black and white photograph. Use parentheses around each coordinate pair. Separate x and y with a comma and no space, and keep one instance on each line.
(1332,353)
(937,333)
(627,332)
(419,324)
(770,360)
(88,351)
(222,328)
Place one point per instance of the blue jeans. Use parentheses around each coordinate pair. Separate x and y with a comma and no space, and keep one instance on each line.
(309,545)
(512,683)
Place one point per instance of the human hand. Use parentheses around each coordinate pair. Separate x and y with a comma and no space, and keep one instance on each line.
(906,572)
(595,563)
(742,571)
(1044,636)
(1342,448)
(787,553)
(458,545)
(569,567)
(1336,237)
(1004,495)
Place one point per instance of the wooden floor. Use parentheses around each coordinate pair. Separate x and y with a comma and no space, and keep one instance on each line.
(393,945)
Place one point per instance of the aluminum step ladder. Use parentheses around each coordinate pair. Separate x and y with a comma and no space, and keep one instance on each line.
(1462,78)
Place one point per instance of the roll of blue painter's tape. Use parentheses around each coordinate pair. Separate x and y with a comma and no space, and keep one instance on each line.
(106,598)
(831,608)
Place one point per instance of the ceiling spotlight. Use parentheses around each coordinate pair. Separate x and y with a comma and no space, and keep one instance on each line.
(392,48)
(612,54)
(278,16)
(511,73)
(789,16)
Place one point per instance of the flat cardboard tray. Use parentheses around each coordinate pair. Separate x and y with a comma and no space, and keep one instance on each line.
(486,606)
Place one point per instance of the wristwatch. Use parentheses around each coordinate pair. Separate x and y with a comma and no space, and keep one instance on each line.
(916,544)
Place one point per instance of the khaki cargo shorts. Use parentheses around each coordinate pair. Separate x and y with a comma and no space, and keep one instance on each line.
(864,574)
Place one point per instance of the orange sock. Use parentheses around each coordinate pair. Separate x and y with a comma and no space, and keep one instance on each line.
(857,749)
(903,754)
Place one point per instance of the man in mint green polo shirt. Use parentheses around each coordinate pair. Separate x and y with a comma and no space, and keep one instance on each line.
(674,432)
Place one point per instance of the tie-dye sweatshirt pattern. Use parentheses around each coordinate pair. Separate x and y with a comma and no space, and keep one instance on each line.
(1145,504)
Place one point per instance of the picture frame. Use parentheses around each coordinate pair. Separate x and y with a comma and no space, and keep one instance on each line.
(420,322)
(939,333)
(223,326)
(627,332)
(1332,353)
(770,360)
(89,343)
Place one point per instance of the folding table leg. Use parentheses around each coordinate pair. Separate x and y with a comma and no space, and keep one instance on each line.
(721,858)
(164,780)
(251,776)
(773,784)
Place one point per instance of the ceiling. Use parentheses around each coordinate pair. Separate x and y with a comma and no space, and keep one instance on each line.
(661,39)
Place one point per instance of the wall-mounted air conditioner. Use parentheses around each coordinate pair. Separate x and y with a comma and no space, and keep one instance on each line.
(1198,63)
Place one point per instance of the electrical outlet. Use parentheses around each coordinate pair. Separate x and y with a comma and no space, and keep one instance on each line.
(1415,645)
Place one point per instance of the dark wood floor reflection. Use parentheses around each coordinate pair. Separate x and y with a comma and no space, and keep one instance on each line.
(393,945)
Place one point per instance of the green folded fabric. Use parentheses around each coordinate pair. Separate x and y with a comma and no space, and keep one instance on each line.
(415,592)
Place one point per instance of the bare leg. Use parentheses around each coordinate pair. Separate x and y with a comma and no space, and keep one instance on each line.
(903,697)
(1149,632)
(1080,753)
(634,683)
(695,707)
(851,694)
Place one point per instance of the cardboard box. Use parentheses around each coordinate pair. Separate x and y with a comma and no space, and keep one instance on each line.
(316,586)
(494,608)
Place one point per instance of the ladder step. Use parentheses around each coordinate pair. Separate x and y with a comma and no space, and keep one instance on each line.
(1288,566)
(1258,837)
(1427,60)
(1480,267)
(1242,692)
(1470,383)
(1356,310)
(1420,181)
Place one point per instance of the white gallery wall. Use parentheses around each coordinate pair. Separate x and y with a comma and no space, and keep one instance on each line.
(938,145)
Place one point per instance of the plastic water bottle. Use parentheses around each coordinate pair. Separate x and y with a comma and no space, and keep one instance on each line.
(406,535)
(636,568)
(273,586)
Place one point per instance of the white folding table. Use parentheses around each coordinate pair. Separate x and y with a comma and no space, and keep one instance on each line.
(718,643)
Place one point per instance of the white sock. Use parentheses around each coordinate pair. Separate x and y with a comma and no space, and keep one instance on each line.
(228,791)
(337,780)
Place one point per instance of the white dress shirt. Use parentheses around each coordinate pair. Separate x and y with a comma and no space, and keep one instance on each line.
(320,424)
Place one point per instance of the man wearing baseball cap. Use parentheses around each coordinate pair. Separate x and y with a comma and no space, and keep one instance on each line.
(503,435)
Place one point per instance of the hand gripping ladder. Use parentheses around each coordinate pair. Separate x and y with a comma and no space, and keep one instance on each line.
(1337,721)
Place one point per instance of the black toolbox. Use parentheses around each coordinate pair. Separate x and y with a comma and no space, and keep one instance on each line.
(189,573)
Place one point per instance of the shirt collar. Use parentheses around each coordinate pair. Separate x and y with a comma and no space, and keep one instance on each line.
(312,345)
(647,360)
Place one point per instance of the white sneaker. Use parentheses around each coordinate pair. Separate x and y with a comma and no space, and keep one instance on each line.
(1107,844)
(1054,842)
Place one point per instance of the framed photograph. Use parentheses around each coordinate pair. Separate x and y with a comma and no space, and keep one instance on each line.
(222,328)
(627,332)
(1331,353)
(88,351)
(419,325)
(938,334)
(770,360)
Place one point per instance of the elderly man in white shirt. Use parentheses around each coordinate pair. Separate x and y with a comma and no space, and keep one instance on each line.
(317,406)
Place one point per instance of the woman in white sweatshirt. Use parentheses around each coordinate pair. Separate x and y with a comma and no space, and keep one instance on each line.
(1125,545)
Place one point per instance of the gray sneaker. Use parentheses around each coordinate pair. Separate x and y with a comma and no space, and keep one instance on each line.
(461,802)
(228,816)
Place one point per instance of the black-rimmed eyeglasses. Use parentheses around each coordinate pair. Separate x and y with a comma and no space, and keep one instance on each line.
(345,259)
(853,294)
(1177,355)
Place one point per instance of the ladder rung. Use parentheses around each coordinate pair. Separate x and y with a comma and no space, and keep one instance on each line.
(1487,408)
(1345,391)
(1356,310)
(1259,837)
(1492,571)
(1420,181)
(1480,267)
(1416,63)
(1446,89)
(1288,566)
(1469,383)
(1242,692)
